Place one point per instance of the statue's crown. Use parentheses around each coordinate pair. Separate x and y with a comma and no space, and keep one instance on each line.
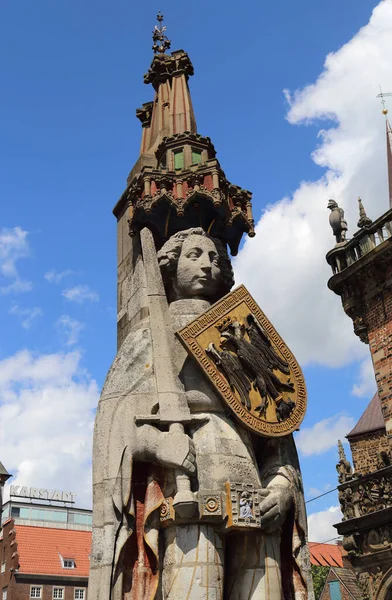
(225,323)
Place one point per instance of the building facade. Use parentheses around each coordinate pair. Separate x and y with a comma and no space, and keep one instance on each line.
(44,551)
(362,277)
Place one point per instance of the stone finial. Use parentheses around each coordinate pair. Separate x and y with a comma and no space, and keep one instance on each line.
(364,220)
(337,222)
(159,37)
(344,468)
(341,452)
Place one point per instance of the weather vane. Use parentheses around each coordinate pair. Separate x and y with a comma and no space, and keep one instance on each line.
(159,37)
(383,95)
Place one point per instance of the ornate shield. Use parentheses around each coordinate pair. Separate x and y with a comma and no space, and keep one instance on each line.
(248,364)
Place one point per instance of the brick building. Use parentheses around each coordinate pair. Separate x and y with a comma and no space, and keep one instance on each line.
(362,277)
(44,552)
(368,440)
(340,584)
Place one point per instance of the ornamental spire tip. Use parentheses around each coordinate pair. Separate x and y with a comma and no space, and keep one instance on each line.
(159,37)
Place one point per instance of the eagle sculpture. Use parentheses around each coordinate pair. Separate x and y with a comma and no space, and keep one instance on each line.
(258,361)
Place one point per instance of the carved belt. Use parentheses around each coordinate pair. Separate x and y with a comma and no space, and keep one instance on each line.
(235,508)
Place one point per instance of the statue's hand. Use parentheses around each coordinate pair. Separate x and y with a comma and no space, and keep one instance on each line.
(274,507)
(176,450)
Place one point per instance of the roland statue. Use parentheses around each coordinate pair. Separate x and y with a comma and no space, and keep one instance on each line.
(143,547)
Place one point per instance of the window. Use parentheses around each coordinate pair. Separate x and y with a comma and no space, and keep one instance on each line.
(58,593)
(68,563)
(334,590)
(36,591)
(23,513)
(38,515)
(5,594)
(6,512)
(196,156)
(3,567)
(79,594)
(178,159)
(60,516)
(80,518)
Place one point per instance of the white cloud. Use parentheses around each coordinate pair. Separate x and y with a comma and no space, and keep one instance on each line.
(27,314)
(367,383)
(284,265)
(80,293)
(13,247)
(323,435)
(71,329)
(320,524)
(313,492)
(57,276)
(47,421)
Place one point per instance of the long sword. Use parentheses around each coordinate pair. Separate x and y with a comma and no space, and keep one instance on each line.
(173,405)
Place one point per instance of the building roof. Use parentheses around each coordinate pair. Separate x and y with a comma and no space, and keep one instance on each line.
(326,555)
(40,550)
(349,581)
(371,420)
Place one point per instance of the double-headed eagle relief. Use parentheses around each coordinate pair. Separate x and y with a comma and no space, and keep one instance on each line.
(249,364)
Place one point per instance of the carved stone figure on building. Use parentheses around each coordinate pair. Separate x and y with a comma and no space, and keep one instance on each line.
(337,221)
(383,460)
(246,505)
(344,468)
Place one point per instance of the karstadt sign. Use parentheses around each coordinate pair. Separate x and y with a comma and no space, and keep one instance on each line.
(41,493)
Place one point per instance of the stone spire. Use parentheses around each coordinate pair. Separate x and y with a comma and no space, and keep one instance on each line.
(171,112)
(341,452)
(364,220)
(177,182)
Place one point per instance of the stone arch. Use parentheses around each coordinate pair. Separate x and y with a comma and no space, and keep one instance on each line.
(385,590)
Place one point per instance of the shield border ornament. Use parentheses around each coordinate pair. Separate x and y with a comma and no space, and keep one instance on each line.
(188,337)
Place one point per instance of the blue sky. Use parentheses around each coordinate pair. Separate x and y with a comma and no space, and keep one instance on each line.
(71,79)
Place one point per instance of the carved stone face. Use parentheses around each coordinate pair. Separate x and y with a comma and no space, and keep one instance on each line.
(198,272)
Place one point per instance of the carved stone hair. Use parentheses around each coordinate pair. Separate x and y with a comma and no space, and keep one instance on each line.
(170,252)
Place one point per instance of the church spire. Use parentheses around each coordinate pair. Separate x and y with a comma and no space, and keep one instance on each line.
(177,181)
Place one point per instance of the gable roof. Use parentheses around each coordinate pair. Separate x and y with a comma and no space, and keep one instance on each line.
(349,581)
(39,550)
(371,420)
(325,555)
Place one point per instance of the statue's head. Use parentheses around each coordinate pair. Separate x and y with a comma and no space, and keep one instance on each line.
(332,204)
(195,265)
